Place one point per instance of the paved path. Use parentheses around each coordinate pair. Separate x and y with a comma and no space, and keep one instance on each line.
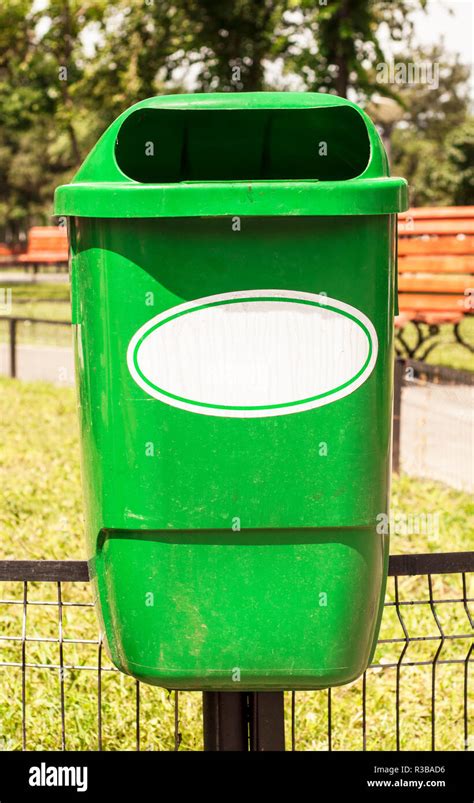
(51,363)
(437,433)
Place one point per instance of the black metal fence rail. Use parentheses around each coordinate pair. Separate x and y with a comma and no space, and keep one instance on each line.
(256,721)
(438,374)
(13,322)
(419,370)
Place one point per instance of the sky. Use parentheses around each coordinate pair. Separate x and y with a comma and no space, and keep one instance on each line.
(455,29)
(449,21)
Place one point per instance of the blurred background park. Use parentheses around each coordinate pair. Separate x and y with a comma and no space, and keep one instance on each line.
(67,69)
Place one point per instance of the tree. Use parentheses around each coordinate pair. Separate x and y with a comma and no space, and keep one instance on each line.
(140,44)
(439,172)
(460,155)
(232,40)
(43,137)
(24,100)
(68,69)
(334,44)
(432,142)
(437,101)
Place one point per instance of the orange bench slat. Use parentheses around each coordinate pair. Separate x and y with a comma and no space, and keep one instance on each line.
(415,227)
(437,212)
(433,302)
(45,231)
(436,264)
(435,284)
(38,257)
(411,246)
(46,244)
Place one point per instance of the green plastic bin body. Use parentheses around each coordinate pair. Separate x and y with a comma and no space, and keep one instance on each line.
(233,320)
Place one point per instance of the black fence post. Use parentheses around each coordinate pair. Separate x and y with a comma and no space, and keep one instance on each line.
(399,373)
(267,721)
(12,326)
(225,721)
(243,721)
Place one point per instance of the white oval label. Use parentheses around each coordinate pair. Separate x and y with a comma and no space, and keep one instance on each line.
(254,353)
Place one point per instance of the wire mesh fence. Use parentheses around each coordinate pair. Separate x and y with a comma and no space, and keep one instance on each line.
(58,689)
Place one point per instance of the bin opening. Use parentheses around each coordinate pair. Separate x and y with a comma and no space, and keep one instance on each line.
(156,146)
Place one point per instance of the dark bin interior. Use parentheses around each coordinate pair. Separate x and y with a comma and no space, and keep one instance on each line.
(167,145)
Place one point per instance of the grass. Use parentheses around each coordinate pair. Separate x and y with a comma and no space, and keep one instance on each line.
(41,517)
(45,300)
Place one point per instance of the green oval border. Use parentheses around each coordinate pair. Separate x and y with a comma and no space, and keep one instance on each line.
(221,303)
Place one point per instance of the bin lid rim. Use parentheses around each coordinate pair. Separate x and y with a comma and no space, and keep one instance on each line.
(222,101)
(368,196)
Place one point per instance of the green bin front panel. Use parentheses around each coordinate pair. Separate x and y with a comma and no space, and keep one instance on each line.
(235,549)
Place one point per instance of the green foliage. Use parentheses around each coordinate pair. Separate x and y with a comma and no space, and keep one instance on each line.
(432,145)
(139,44)
(460,157)
(68,69)
(437,106)
(38,140)
(439,172)
(334,43)
(231,42)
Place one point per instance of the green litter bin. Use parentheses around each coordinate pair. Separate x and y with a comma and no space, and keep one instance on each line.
(233,291)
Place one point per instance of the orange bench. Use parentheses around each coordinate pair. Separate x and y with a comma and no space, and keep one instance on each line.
(9,253)
(47,245)
(435,269)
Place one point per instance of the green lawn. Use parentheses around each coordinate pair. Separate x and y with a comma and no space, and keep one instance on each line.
(41,517)
(45,300)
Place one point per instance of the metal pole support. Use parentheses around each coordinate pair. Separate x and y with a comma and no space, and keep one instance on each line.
(267,721)
(12,324)
(225,721)
(243,721)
